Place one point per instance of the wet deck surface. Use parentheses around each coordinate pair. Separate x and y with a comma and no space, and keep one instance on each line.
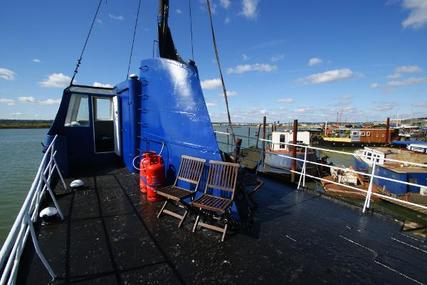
(111,236)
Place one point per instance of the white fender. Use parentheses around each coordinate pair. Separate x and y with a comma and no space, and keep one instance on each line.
(77,183)
(48,212)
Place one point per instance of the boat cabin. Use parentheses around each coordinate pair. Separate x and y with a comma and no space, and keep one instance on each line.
(421,148)
(370,155)
(88,125)
(282,139)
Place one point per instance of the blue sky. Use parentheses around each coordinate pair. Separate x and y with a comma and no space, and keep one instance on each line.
(309,60)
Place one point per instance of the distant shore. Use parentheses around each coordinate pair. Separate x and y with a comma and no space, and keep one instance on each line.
(25,124)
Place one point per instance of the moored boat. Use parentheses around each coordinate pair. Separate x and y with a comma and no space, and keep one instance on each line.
(279,155)
(353,136)
(396,165)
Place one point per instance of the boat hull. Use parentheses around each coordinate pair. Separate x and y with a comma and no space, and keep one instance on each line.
(361,165)
(282,161)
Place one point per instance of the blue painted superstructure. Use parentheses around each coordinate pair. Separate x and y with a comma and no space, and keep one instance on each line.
(128,92)
(174,113)
(399,189)
(164,110)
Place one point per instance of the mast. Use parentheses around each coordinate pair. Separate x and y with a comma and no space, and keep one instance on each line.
(166,45)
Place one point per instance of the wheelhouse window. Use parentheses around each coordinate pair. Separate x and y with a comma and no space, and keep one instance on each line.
(78,111)
(282,140)
(103,122)
(104,109)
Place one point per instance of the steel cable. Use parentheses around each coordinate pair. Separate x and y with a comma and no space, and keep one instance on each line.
(220,70)
(79,61)
(133,37)
(191,30)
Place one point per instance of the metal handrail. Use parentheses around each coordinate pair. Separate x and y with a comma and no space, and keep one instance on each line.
(371,175)
(15,242)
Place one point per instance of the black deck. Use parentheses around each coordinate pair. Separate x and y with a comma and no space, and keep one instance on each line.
(111,236)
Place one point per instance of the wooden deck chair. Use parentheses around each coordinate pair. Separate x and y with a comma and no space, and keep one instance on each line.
(190,171)
(221,176)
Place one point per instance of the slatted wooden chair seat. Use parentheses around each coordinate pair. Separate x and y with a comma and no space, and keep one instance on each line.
(174,193)
(222,176)
(189,172)
(212,203)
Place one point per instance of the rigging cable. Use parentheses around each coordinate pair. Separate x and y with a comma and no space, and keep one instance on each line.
(79,61)
(191,30)
(220,71)
(133,37)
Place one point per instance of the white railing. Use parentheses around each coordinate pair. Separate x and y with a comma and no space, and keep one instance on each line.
(369,192)
(14,245)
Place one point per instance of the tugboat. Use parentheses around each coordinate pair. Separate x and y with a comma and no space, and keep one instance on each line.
(106,231)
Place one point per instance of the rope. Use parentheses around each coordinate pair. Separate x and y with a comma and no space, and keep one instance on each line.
(79,61)
(133,37)
(220,70)
(191,30)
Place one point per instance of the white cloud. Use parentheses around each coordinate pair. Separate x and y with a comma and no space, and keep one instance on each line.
(36,60)
(257,67)
(418,13)
(56,80)
(9,102)
(401,82)
(408,69)
(7,74)
(227,20)
(225,3)
(286,100)
(277,57)
(99,21)
(229,93)
(329,76)
(384,106)
(396,80)
(178,11)
(211,83)
(394,76)
(314,61)
(50,102)
(116,17)
(27,99)
(245,57)
(303,110)
(374,85)
(32,100)
(398,71)
(99,84)
(407,81)
(250,8)
(210,104)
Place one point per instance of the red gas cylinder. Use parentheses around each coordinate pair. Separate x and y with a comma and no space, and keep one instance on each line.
(145,161)
(155,173)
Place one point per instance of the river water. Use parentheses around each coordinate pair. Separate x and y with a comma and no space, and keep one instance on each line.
(20,155)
